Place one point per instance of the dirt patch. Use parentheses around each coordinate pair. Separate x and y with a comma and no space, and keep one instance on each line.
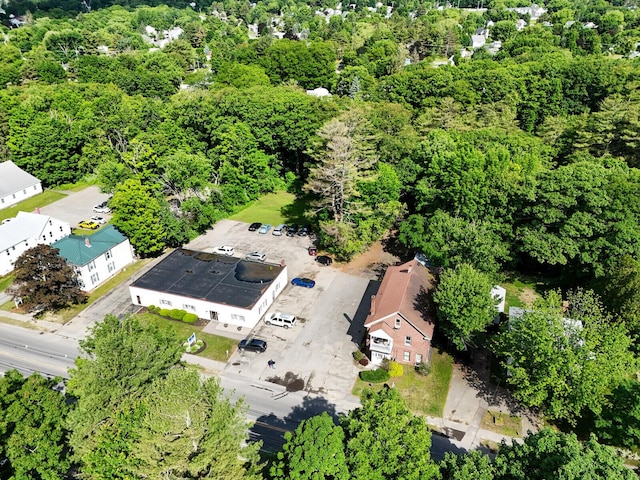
(528,296)
(372,263)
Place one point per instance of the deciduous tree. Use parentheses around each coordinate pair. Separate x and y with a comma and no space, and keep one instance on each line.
(386,441)
(565,361)
(45,281)
(314,451)
(549,454)
(136,213)
(190,429)
(121,358)
(465,305)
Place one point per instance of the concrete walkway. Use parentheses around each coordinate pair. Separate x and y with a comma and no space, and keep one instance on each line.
(470,396)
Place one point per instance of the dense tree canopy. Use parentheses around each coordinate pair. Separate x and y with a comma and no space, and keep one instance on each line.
(565,362)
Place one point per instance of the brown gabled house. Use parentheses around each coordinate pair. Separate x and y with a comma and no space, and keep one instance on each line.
(401,318)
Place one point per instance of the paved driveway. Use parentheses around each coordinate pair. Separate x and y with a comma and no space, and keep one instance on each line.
(315,355)
(76,206)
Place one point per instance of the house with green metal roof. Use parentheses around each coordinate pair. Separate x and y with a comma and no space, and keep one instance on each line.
(96,257)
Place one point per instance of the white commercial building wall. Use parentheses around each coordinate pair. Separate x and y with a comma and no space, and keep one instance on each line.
(54,230)
(225,313)
(13,198)
(96,272)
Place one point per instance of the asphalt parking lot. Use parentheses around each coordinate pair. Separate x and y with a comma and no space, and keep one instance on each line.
(315,355)
(77,206)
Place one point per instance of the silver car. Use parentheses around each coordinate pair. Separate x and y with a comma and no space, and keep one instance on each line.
(256,256)
(279,230)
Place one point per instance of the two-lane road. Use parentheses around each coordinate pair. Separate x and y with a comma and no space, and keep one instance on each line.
(29,351)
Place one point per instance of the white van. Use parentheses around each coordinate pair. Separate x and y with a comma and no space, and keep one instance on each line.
(280,319)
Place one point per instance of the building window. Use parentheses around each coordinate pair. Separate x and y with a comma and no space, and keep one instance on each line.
(237,317)
(94,278)
(50,222)
(418,358)
(44,238)
(91,265)
(111,266)
(407,341)
(50,234)
(397,323)
(380,341)
(108,255)
(35,187)
(165,302)
(60,227)
(406,356)
(24,192)
(14,195)
(189,307)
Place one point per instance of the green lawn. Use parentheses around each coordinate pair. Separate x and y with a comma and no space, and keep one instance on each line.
(510,425)
(76,187)
(424,394)
(274,208)
(6,281)
(30,204)
(522,290)
(217,347)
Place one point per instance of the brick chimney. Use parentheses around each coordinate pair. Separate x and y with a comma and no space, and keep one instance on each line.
(87,243)
(372,308)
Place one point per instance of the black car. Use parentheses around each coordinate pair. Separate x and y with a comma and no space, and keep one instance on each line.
(253,345)
(324,260)
(254,226)
(292,230)
(305,230)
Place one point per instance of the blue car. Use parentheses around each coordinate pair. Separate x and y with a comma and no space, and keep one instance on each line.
(303,282)
(264,228)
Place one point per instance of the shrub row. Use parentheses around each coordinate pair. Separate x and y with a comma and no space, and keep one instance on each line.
(174,313)
(374,376)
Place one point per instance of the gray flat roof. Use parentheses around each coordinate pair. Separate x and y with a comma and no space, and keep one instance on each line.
(211,277)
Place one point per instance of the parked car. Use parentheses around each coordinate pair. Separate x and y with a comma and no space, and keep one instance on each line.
(303,282)
(88,225)
(312,251)
(265,228)
(324,260)
(292,230)
(305,230)
(254,226)
(98,219)
(256,256)
(253,345)
(280,319)
(280,229)
(224,250)
(102,208)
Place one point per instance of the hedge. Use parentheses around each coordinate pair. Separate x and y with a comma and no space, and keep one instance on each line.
(190,318)
(374,376)
(177,314)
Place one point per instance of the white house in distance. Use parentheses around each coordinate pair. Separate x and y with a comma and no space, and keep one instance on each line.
(25,231)
(214,287)
(96,257)
(16,184)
